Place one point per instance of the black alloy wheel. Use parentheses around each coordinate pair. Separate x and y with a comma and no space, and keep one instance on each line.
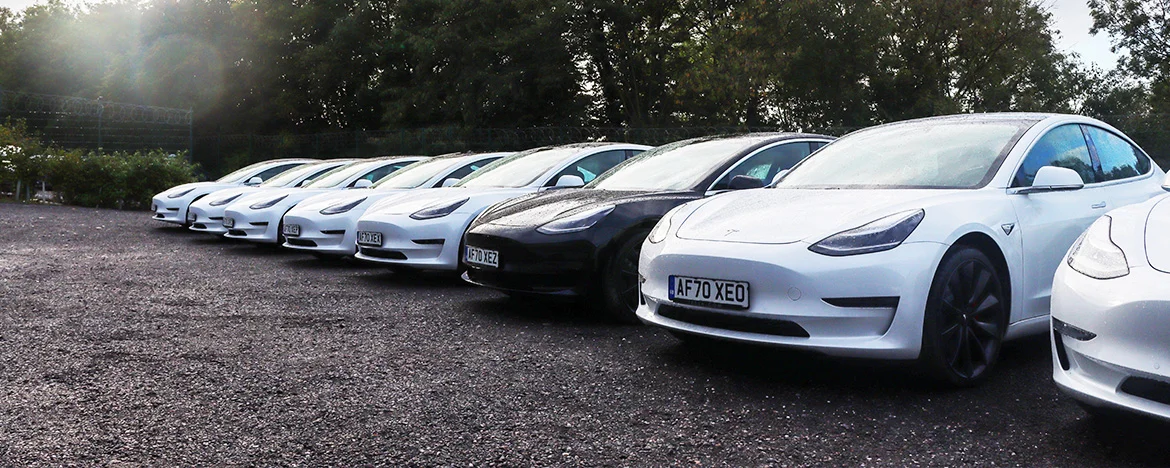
(619,281)
(966,317)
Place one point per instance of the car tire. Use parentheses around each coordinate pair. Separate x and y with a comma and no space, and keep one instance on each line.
(965,319)
(619,279)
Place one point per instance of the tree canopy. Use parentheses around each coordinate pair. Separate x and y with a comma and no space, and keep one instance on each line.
(273,66)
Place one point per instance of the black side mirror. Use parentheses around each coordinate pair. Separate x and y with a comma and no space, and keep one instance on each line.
(742,182)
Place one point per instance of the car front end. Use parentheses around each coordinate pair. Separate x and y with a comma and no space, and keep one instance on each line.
(257,217)
(172,205)
(1111,313)
(326,224)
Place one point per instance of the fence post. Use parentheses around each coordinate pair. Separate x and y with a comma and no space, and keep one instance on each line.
(101,110)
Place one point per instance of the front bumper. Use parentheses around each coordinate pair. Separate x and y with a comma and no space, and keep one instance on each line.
(877,299)
(329,234)
(1126,364)
(534,263)
(254,225)
(431,244)
(170,210)
(206,219)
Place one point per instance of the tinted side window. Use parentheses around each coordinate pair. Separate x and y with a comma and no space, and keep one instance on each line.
(816,145)
(592,166)
(467,170)
(269,173)
(1119,159)
(379,173)
(765,164)
(1063,146)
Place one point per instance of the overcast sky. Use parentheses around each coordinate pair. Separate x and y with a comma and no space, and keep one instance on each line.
(1071,17)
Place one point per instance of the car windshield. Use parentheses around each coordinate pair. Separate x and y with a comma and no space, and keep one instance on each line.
(415,174)
(292,175)
(519,169)
(947,154)
(239,175)
(681,165)
(342,174)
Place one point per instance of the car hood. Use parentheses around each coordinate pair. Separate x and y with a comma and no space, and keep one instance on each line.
(1157,246)
(784,216)
(203,187)
(540,208)
(415,200)
(227,193)
(291,194)
(324,200)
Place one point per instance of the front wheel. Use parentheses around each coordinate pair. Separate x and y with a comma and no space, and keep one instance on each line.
(619,280)
(965,320)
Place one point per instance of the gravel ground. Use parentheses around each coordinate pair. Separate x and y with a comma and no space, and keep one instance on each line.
(126,343)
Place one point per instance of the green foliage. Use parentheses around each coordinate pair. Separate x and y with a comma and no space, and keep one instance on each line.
(116,180)
(21,158)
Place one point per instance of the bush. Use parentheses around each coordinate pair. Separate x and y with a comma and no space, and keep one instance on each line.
(116,180)
(22,160)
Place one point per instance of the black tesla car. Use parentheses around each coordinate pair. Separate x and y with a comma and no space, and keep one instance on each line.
(584,243)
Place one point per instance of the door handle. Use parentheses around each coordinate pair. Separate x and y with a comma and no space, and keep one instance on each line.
(1097,206)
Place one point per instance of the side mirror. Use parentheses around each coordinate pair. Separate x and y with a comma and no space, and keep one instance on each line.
(450,181)
(569,181)
(778,177)
(362,183)
(254,181)
(743,182)
(1166,182)
(1054,179)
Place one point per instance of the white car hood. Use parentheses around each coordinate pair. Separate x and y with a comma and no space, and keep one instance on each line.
(1158,236)
(784,216)
(204,187)
(226,193)
(412,201)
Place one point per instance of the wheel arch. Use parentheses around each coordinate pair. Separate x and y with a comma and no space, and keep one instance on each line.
(994,251)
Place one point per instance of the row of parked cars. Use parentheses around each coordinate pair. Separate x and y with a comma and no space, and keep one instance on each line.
(933,240)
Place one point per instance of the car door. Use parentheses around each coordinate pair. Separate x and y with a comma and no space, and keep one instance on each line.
(1123,167)
(766,162)
(1049,222)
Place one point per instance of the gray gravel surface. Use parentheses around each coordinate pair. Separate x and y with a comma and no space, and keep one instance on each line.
(126,343)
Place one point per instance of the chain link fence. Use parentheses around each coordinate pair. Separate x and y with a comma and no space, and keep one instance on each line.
(217,154)
(79,123)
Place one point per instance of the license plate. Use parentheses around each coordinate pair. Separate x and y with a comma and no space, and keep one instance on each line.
(292,229)
(711,291)
(369,238)
(229,222)
(191,217)
(478,256)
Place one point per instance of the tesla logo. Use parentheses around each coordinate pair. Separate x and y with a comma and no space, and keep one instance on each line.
(1008,228)
(730,232)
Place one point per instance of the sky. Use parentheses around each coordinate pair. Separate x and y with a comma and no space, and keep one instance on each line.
(1071,17)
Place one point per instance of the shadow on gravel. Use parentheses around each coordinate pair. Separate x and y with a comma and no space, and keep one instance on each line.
(1124,438)
(778,366)
(529,310)
(386,278)
(309,262)
(175,230)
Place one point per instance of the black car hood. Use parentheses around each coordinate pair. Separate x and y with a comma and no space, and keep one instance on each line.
(541,208)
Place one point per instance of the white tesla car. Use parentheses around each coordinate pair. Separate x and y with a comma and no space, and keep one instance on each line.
(933,239)
(1111,312)
(424,229)
(257,217)
(206,214)
(171,205)
(324,224)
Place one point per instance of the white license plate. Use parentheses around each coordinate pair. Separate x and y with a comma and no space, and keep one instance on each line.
(229,222)
(191,217)
(369,238)
(292,229)
(478,256)
(712,291)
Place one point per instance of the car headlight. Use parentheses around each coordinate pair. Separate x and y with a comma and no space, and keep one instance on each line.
(576,222)
(438,210)
(342,208)
(877,236)
(267,204)
(658,234)
(224,201)
(1095,255)
(177,195)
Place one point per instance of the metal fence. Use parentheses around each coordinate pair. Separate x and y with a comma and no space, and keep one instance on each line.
(219,153)
(80,123)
